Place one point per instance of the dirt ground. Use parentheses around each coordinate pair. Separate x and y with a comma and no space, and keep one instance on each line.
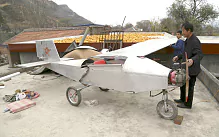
(118,114)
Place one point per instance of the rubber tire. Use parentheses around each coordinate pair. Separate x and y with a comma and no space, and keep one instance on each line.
(104,89)
(78,94)
(172,104)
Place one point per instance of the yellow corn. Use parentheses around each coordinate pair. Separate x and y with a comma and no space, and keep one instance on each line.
(128,37)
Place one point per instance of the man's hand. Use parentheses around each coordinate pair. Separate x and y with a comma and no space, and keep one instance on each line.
(190,62)
(175,58)
(172,44)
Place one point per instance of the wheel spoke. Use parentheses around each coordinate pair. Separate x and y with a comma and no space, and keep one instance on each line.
(73,97)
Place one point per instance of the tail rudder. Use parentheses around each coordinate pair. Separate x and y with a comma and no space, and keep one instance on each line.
(46,50)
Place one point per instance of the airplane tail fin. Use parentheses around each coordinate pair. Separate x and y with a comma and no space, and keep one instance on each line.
(47,51)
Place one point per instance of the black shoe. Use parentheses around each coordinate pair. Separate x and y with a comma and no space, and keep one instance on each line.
(183,106)
(178,100)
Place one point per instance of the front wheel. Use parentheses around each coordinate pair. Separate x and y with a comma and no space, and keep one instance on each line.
(170,112)
(73,96)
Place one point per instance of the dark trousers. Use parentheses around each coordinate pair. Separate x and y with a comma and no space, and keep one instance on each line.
(191,91)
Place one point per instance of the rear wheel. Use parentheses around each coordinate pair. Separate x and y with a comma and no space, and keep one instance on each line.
(170,112)
(73,96)
(104,89)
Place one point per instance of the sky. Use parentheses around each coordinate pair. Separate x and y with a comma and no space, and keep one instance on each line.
(112,12)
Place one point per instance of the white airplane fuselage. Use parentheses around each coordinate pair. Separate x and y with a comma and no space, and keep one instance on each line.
(135,74)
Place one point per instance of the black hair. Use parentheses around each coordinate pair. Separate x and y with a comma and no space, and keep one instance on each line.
(179,31)
(188,26)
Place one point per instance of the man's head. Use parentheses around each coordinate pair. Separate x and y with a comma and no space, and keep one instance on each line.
(187,29)
(179,34)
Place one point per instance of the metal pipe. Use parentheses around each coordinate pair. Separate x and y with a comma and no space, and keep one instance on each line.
(9,76)
(85,35)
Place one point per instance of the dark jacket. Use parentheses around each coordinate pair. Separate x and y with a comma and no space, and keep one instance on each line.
(193,49)
(178,47)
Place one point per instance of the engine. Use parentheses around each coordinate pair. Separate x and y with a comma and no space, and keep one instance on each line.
(177,77)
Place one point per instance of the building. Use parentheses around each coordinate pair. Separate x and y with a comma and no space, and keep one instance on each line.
(18,51)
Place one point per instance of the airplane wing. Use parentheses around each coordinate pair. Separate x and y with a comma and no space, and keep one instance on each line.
(141,48)
(28,65)
(48,52)
(39,63)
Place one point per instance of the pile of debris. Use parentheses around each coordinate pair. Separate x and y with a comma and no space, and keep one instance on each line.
(19,95)
(3,59)
(20,100)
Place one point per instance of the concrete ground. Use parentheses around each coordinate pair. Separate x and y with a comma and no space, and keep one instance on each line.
(5,70)
(118,114)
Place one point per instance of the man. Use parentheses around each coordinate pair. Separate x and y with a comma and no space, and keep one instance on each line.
(179,46)
(194,53)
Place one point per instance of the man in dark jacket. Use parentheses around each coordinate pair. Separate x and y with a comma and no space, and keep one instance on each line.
(193,49)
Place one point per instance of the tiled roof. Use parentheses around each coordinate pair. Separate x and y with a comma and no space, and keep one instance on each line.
(45,33)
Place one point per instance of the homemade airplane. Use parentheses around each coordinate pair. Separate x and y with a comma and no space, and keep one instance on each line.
(126,69)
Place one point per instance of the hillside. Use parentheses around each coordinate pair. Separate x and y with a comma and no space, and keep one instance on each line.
(16,15)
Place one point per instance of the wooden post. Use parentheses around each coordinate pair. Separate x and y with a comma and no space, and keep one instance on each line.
(187,77)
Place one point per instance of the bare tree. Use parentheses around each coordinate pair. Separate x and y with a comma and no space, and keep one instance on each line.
(169,25)
(128,25)
(145,25)
(198,12)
